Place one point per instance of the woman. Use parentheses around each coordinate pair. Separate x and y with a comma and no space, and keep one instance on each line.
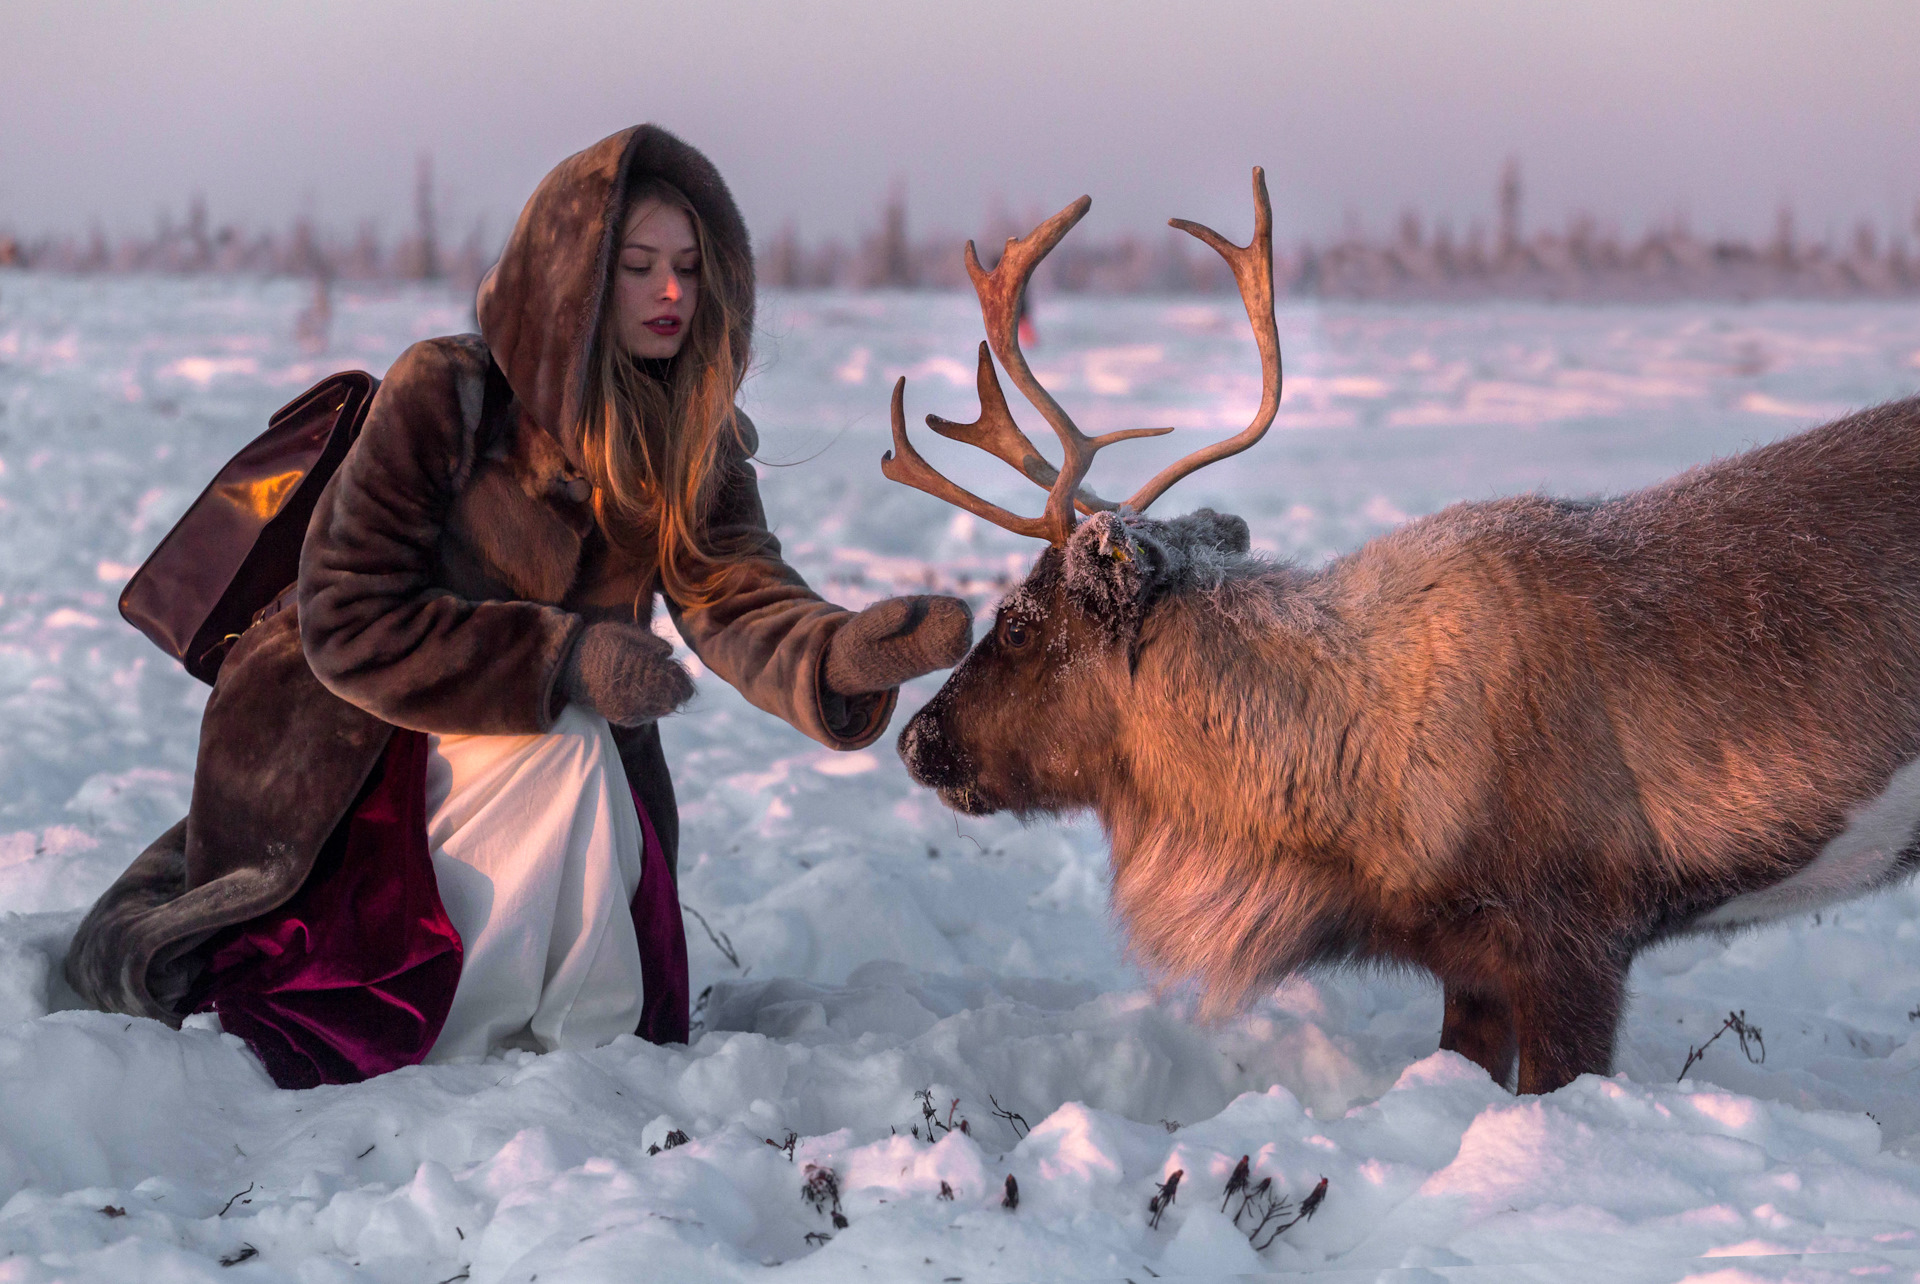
(408,839)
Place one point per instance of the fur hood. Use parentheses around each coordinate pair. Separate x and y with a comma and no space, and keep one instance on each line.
(539,306)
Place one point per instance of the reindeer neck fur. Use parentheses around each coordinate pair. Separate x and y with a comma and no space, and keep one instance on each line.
(1238,858)
(1310,774)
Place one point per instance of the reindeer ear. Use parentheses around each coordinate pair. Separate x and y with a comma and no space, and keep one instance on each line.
(1205,528)
(1116,566)
(1107,570)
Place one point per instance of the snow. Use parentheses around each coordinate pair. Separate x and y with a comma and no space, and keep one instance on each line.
(866,945)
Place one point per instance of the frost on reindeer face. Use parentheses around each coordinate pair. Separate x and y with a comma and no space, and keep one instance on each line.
(1031,720)
(1027,720)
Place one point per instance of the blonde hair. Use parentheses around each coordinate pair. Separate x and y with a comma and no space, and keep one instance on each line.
(655,449)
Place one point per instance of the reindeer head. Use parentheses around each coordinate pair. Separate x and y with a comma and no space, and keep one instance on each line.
(1030,719)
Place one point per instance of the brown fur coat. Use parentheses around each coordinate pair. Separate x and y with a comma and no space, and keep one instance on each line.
(448,570)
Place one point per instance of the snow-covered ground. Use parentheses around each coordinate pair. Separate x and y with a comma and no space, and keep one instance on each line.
(866,947)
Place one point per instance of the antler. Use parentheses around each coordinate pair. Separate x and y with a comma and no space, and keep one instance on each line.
(1252,266)
(996,433)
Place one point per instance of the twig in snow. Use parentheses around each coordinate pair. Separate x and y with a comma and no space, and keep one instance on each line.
(1163,1198)
(1014,1118)
(368,1151)
(946,1191)
(672,1139)
(1242,1173)
(229,1204)
(1268,1208)
(1265,1206)
(1749,1036)
(461,1276)
(721,941)
(822,1190)
(785,1147)
(1011,1200)
(931,1116)
(247,1253)
(1315,1197)
(697,1023)
(817,1238)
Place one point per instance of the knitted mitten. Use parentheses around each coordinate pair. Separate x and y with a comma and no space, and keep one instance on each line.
(898,639)
(624,673)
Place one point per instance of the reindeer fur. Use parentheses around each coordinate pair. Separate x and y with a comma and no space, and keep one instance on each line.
(1512,743)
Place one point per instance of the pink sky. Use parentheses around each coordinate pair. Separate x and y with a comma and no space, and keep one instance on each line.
(1635,110)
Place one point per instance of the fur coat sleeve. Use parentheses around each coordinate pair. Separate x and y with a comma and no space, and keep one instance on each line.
(767,633)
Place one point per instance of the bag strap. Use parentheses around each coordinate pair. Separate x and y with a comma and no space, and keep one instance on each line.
(494,402)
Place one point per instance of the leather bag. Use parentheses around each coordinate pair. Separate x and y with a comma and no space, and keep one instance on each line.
(236,551)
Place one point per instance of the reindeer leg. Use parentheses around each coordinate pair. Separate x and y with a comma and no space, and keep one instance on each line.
(1479,1026)
(1566,1011)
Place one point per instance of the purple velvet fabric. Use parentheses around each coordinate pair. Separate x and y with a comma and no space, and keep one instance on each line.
(354,976)
(664,1013)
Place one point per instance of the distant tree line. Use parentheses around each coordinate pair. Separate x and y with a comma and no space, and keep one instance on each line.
(197,244)
(1587,259)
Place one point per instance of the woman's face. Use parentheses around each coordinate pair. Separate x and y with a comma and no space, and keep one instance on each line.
(657,282)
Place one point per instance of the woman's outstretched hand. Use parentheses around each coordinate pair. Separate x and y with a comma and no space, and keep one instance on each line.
(624,673)
(898,639)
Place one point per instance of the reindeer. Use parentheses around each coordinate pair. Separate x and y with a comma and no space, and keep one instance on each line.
(1512,743)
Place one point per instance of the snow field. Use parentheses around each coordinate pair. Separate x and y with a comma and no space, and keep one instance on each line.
(867,947)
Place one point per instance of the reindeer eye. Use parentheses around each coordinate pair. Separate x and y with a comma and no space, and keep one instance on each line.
(1015,634)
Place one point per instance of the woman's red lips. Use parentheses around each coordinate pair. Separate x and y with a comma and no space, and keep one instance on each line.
(664,325)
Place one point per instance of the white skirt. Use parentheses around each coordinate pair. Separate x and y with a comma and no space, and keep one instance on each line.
(536,848)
